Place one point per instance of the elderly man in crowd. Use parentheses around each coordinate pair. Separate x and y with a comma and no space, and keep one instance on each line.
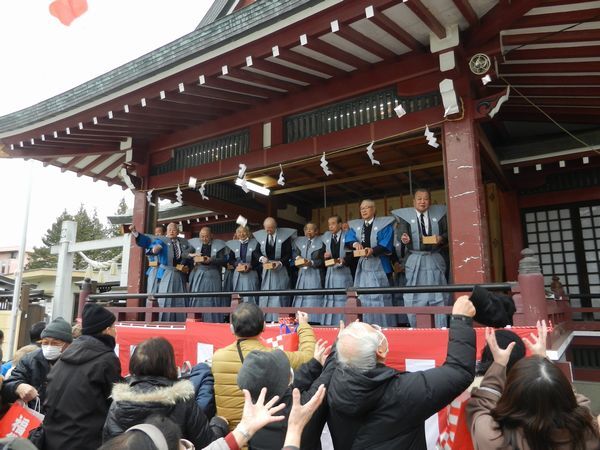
(374,406)
(210,257)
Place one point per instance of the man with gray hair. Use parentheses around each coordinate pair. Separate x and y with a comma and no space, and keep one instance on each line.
(375,406)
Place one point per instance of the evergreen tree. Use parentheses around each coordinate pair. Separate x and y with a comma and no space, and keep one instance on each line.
(89,228)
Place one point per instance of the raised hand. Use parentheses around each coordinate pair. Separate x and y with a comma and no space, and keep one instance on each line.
(537,344)
(259,414)
(322,351)
(501,355)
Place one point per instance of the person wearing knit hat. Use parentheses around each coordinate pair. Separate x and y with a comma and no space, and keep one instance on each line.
(96,319)
(84,374)
(29,379)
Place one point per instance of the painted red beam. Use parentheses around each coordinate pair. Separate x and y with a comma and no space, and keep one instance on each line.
(138,111)
(222,207)
(555,80)
(319,45)
(109,168)
(554,91)
(243,89)
(500,17)
(570,102)
(72,163)
(289,72)
(558,18)
(587,51)
(467,11)
(146,119)
(558,68)
(390,27)
(309,63)
(551,38)
(427,17)
(58,152)
(363,41)
(263,79)
(157,106)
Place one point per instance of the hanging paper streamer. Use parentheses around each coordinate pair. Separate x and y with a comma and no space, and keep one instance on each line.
(325,165)
(281,179)
(149,197)
(245,185)
(399,110)
(241,220)
(371,154)
(192,182)
(179,195)
(501,101)
(202,190)
(68,10)
(485,80)
(242,171)
(126,179)
(431,139)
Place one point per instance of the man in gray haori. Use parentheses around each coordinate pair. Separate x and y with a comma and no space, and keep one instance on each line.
(338,273)
(309,250)
(209,259)
(245,255)
(173,255)
(423,229)
(374,235)
(276,253)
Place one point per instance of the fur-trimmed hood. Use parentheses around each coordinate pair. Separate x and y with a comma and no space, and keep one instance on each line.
(151,392)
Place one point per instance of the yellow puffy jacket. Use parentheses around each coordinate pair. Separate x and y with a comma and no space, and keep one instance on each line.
(226,364)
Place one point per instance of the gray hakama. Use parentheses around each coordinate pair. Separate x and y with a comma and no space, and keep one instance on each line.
(207,278)
(309,277)
(244,281)
(424,268)
(338,276)
(370,272)
(399,281)
(172,280)
(274,279)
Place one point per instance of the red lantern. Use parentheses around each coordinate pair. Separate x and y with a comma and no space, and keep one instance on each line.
(68,10)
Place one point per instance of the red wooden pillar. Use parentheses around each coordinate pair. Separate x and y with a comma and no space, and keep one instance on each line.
(512,233)
(141,216)
(467,223)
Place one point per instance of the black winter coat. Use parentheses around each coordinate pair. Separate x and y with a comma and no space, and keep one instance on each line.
(386,409)
(77,399)
(307,379)
(33,369)
(133,402)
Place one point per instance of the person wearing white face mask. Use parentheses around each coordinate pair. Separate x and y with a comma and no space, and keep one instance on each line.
(30,377)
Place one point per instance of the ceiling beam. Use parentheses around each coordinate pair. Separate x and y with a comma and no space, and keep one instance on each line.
(364,42)
(104,172)
(467,11)
(427,17)
(320,46)
(309,63)
(500,17)
(285,71)
(390,27)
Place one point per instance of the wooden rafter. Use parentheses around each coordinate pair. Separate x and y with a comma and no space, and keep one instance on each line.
(427,17)
(390,27)
(363,41)
(467,11)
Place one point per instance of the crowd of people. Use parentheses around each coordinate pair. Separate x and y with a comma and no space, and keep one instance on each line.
(407,248)
(257,397)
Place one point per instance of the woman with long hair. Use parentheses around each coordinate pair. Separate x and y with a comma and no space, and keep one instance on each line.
(533,408)
(154,388)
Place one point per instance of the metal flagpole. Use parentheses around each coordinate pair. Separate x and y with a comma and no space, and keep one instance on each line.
(20,264)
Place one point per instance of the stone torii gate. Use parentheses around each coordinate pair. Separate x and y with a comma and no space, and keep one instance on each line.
(63,301)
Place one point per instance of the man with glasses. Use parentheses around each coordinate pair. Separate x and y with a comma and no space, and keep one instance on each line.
(372,237)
